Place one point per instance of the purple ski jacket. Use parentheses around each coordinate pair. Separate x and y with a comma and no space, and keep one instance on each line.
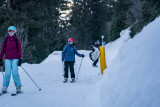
(11,51)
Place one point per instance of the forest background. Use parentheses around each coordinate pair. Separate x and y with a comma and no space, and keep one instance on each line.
(44,26)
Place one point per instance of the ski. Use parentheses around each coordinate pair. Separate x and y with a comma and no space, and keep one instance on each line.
(15,94)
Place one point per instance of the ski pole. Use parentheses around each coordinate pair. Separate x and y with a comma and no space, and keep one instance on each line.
(79,68)
(2,71)
(31,79)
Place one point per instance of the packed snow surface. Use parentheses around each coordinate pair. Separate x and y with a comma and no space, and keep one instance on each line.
(49,77)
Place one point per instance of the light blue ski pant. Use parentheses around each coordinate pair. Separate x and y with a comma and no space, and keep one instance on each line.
(11,65)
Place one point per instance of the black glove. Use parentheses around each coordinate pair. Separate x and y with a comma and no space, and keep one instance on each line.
(83,56)
(1,62)
(19,62)
(62,59)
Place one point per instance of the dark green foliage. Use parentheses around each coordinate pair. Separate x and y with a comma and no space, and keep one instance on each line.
(42,29)
(89,18)
(40,23)
(150,10)
(118,19)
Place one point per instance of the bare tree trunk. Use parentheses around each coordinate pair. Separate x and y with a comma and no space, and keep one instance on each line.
(22,35)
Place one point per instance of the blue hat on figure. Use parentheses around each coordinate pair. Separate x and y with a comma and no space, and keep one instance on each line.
(12,28)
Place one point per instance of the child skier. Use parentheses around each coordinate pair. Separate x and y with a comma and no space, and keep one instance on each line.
(11,47)
(68,56)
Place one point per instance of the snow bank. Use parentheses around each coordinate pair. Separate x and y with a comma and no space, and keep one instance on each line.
(112,49)
(132,79)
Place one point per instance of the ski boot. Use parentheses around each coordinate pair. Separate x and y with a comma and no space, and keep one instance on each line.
(4,90)
(65,80)
(94,65)
(73,80)
(18,89)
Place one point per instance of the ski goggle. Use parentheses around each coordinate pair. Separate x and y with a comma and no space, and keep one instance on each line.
(11,31)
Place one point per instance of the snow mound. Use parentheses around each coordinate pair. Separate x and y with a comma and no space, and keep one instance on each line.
(132,79)
(112,49)
(56,55)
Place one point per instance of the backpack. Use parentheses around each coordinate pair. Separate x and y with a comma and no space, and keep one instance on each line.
(94,55)
(5,42)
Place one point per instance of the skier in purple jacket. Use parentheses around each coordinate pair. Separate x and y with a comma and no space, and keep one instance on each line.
(11,47)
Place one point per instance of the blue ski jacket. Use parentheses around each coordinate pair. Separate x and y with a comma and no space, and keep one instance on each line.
(68,53)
